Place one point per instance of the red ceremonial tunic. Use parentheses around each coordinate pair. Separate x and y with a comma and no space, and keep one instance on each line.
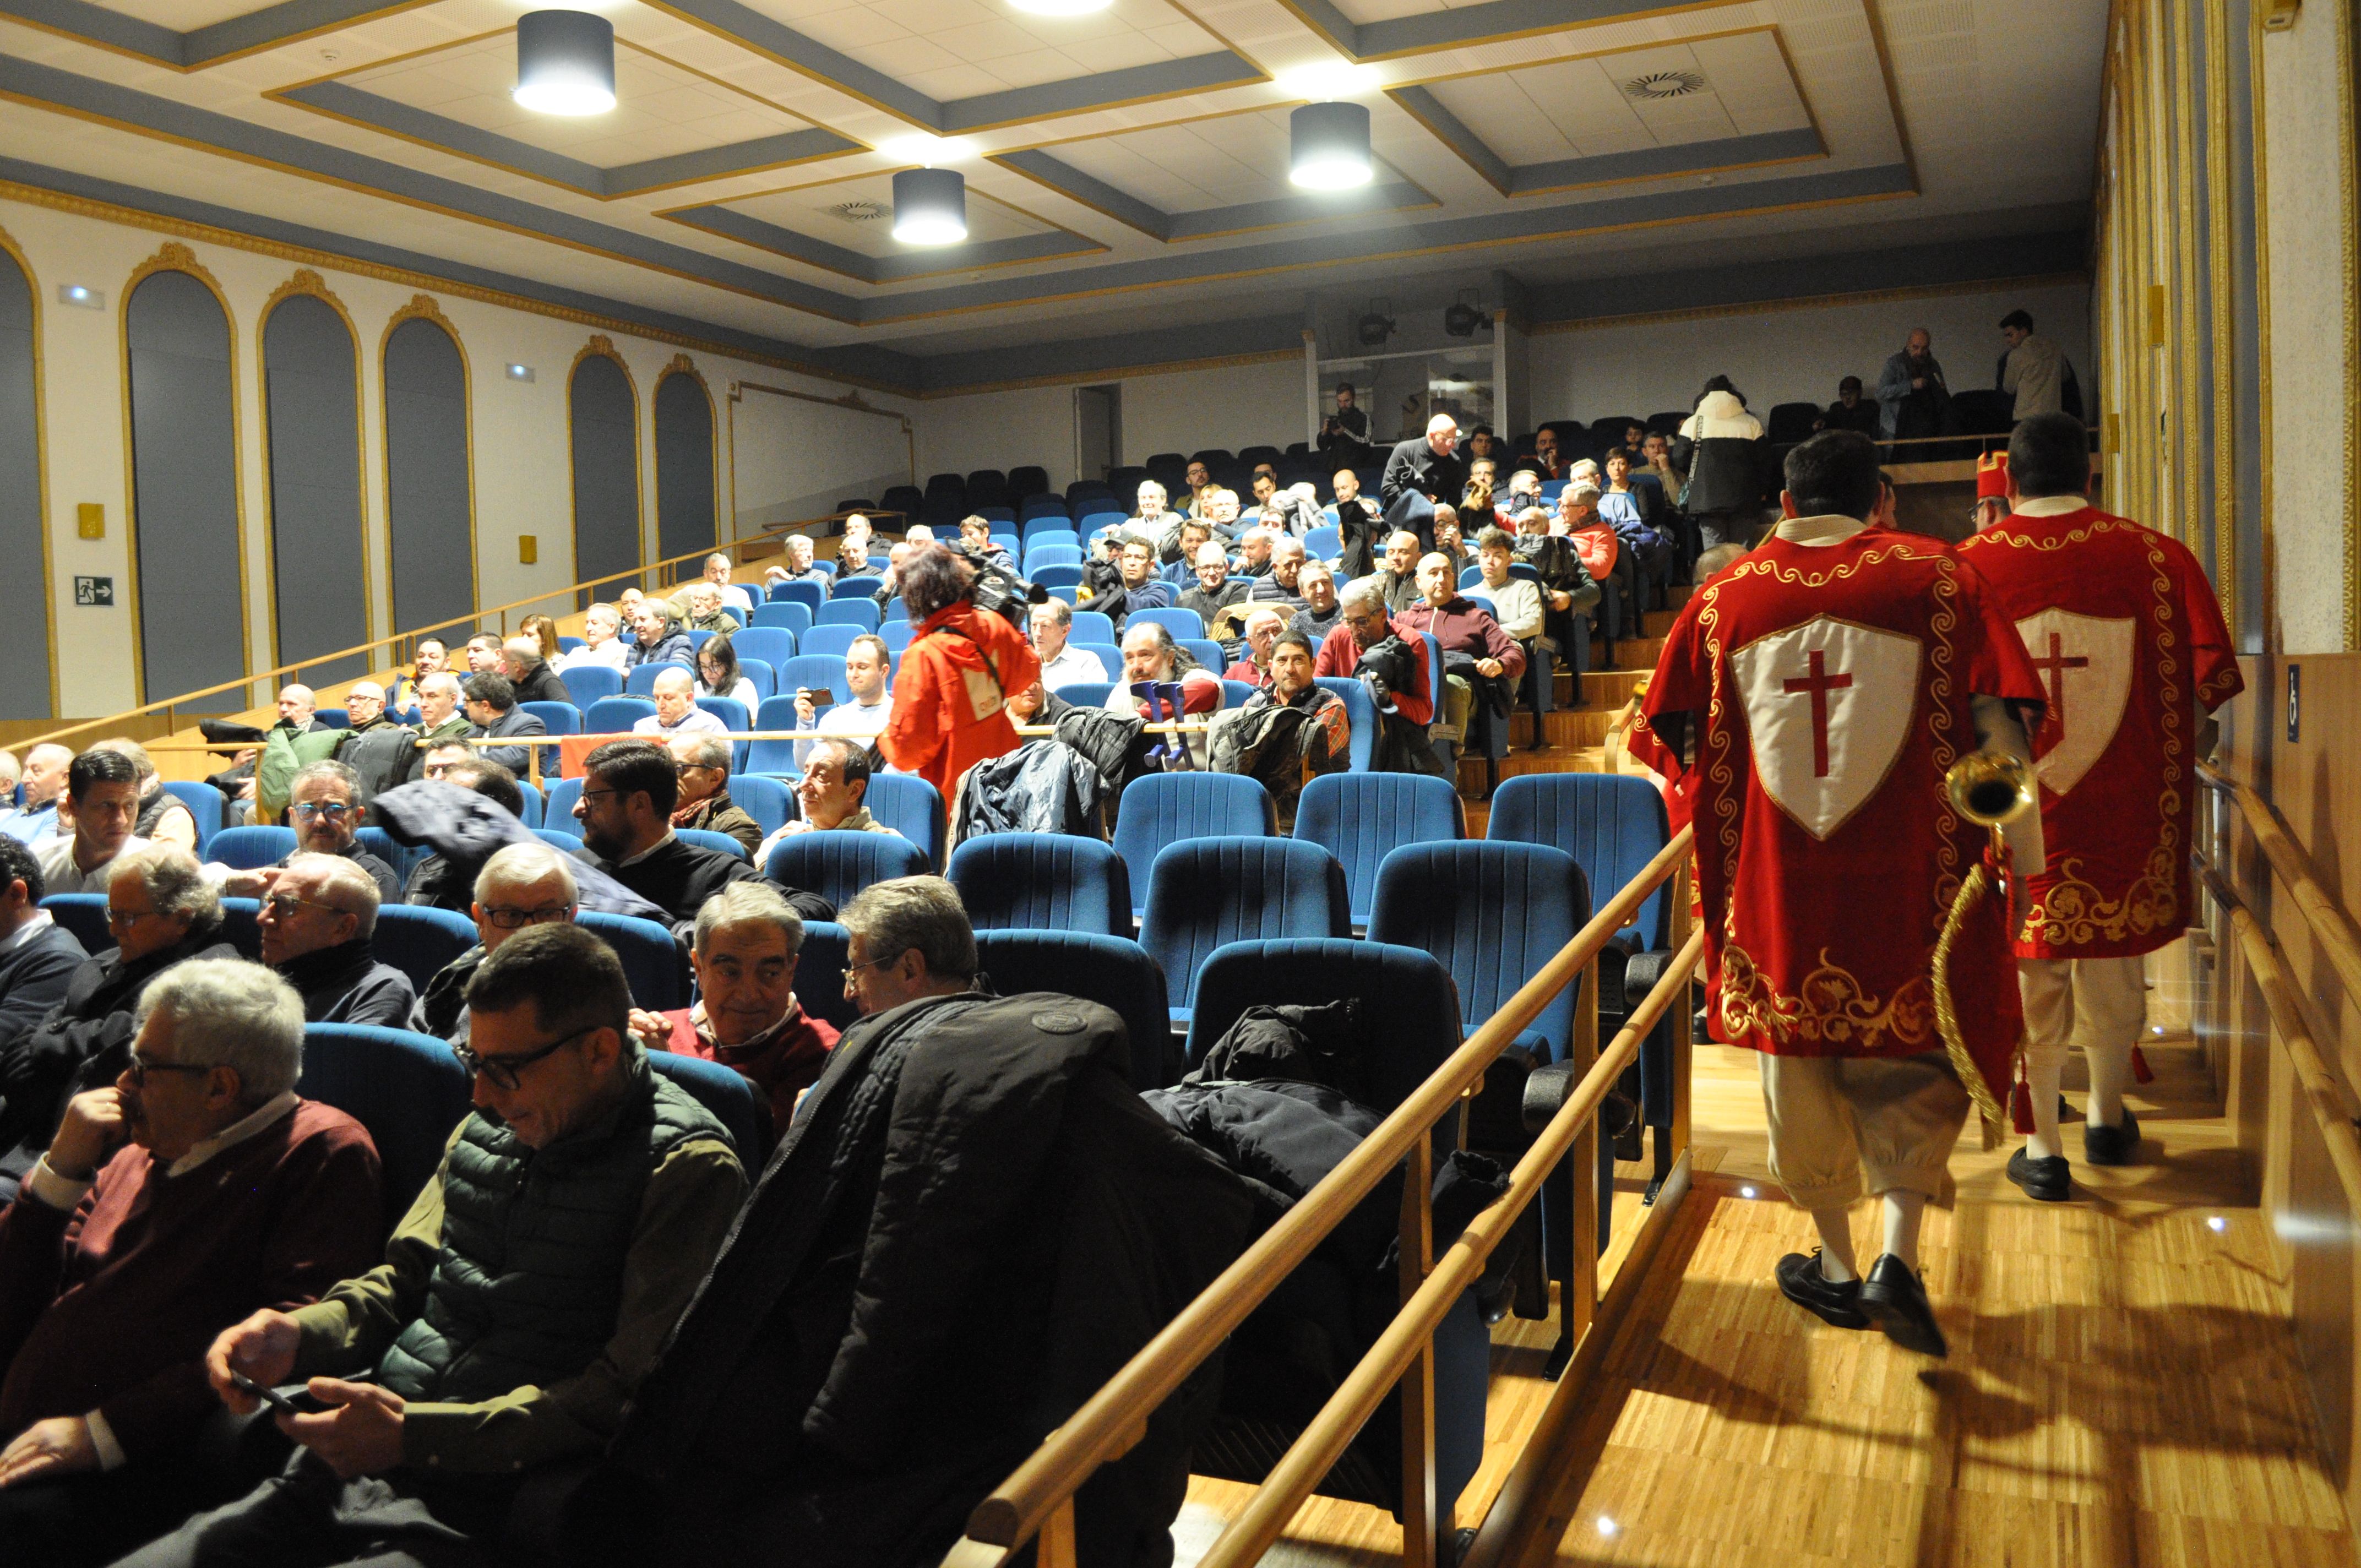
(2124,629)
(1834,684)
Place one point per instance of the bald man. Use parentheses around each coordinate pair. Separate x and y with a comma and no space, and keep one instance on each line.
(1427,465)
(676,711)
(45,780)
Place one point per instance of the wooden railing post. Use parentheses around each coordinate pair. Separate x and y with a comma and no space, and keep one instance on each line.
(1683,1028)
(1421,1527)
(1058,1549)
(1582,1278)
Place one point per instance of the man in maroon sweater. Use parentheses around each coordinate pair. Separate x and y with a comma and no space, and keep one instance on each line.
(196,1190)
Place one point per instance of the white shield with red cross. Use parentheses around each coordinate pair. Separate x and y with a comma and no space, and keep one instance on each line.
(1828,706)
(2085,665)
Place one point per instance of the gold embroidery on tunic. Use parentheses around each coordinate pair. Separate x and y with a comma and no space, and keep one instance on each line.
(1830,1009)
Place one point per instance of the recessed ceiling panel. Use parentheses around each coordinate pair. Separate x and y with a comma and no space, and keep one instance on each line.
(185,15)
(964,49)
(1227,161)
(661,109)
(1631,101)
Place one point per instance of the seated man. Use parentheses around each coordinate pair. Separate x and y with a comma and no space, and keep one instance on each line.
(1481,666)
(121,1263)
(1568,595)
(1288,732)
(1136,584)
(629,790)
(1062,665)
(1359,525)
(324,807)
(1363,627)
(1280,587)
(800,568)
(676,711)
(439,719)
(318,923)
(161,911)
(704,610)
(45,780)
(162,818)
(702,762)
(874,1350)
(830,796)
(520,885)
(868,670)
(95,821)
(438,881)
(1254,552)
(491,705)
(1252,664)
(602,645)
(734,598)
(746,1016)
(1517,605)
(530,673)
(1447,542)
(1211,592)
(429,655)
(483,655)
(852,559)
(38,956)
(1219,506)
(1318,618)
(1615,569)
(975,535)
(521,1300)
(657,641)
(1150,656)
(1183,537)
(383,752)
(1150,521)
(1397,580)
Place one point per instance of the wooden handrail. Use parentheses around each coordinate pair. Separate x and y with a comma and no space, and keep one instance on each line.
(2332,928)
(2320,1088)
(1111,1420)
(472,617)
(1326,1436)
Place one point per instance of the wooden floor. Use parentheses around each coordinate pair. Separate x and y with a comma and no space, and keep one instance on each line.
(2122,1387)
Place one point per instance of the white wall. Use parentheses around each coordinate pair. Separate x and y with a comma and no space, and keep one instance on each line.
(2311,272)
(521,448)
(1787,356)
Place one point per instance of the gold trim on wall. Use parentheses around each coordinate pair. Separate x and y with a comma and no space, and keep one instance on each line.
(601,346)
(2221,341)
(2349,160)
(682,365)
(2269,600)
(174,257)
(41,461)
(423,307)
(309,284)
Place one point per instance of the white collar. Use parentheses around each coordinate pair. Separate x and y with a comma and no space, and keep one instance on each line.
(26,932)
(1818,531)
(2049,505)
(650,850)
(236,1133)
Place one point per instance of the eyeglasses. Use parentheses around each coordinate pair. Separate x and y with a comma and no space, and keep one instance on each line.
(502,1070)
(334,810)
(590,795)
(282,906)
(851,969)
(687,768)
(124,919)
(141,1067)
(511,920)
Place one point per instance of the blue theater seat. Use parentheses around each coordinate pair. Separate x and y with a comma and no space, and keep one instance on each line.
(1164,808)
(1114,971)
(1055,881)
(1203,893)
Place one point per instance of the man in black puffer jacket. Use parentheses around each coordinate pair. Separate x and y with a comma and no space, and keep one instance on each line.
(972,1223)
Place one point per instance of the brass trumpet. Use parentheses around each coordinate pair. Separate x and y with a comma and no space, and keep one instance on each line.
(1990,787)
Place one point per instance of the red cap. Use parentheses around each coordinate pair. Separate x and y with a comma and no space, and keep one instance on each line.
(1992,477)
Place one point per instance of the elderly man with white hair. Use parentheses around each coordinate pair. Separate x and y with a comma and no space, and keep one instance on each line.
(195,1190)
(44,782)
(747,1016)
(801,565)
(522,663)
(702,762)
(1261,627)
(602,642)
(519,885)
(1061,666)
(706,611)
(1152,659)
(1281,586)
(383,752)
(317,925)
(676,711)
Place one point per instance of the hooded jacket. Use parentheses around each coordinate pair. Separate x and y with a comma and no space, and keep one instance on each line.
(1721,449)
(950,697)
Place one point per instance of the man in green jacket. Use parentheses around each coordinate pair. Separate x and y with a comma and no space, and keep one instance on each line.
(522,1299)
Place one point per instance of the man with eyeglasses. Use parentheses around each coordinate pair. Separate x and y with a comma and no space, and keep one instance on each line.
(317,923)
(324,808)
(702,763)
(521,1302)
(629,791)
(95,821)
(195,1190)
(160,910)
(520,885)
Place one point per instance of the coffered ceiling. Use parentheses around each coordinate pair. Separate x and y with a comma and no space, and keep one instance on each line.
(1133,160)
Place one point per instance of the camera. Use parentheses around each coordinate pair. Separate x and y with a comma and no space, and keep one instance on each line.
(999,590)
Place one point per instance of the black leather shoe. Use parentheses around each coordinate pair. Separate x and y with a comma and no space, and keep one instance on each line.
(1896,1302)
(2117,1145)
(1801,1281)
(2048,1179)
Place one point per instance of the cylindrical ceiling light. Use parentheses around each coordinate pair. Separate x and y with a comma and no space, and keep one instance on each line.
(929,206)
(565,62)
(1329,147)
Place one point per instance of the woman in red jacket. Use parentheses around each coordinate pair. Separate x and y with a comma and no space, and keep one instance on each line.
(951,699)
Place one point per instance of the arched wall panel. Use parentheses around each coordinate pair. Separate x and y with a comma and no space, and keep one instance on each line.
(603,423)
(311,369)
(182,378)
(429,481)
(685,518)
(27,692)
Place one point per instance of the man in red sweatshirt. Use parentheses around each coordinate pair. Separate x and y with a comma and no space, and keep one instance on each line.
(196,1190)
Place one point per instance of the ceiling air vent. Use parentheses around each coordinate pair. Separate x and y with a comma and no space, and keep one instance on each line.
(859,211)
(1659,85)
